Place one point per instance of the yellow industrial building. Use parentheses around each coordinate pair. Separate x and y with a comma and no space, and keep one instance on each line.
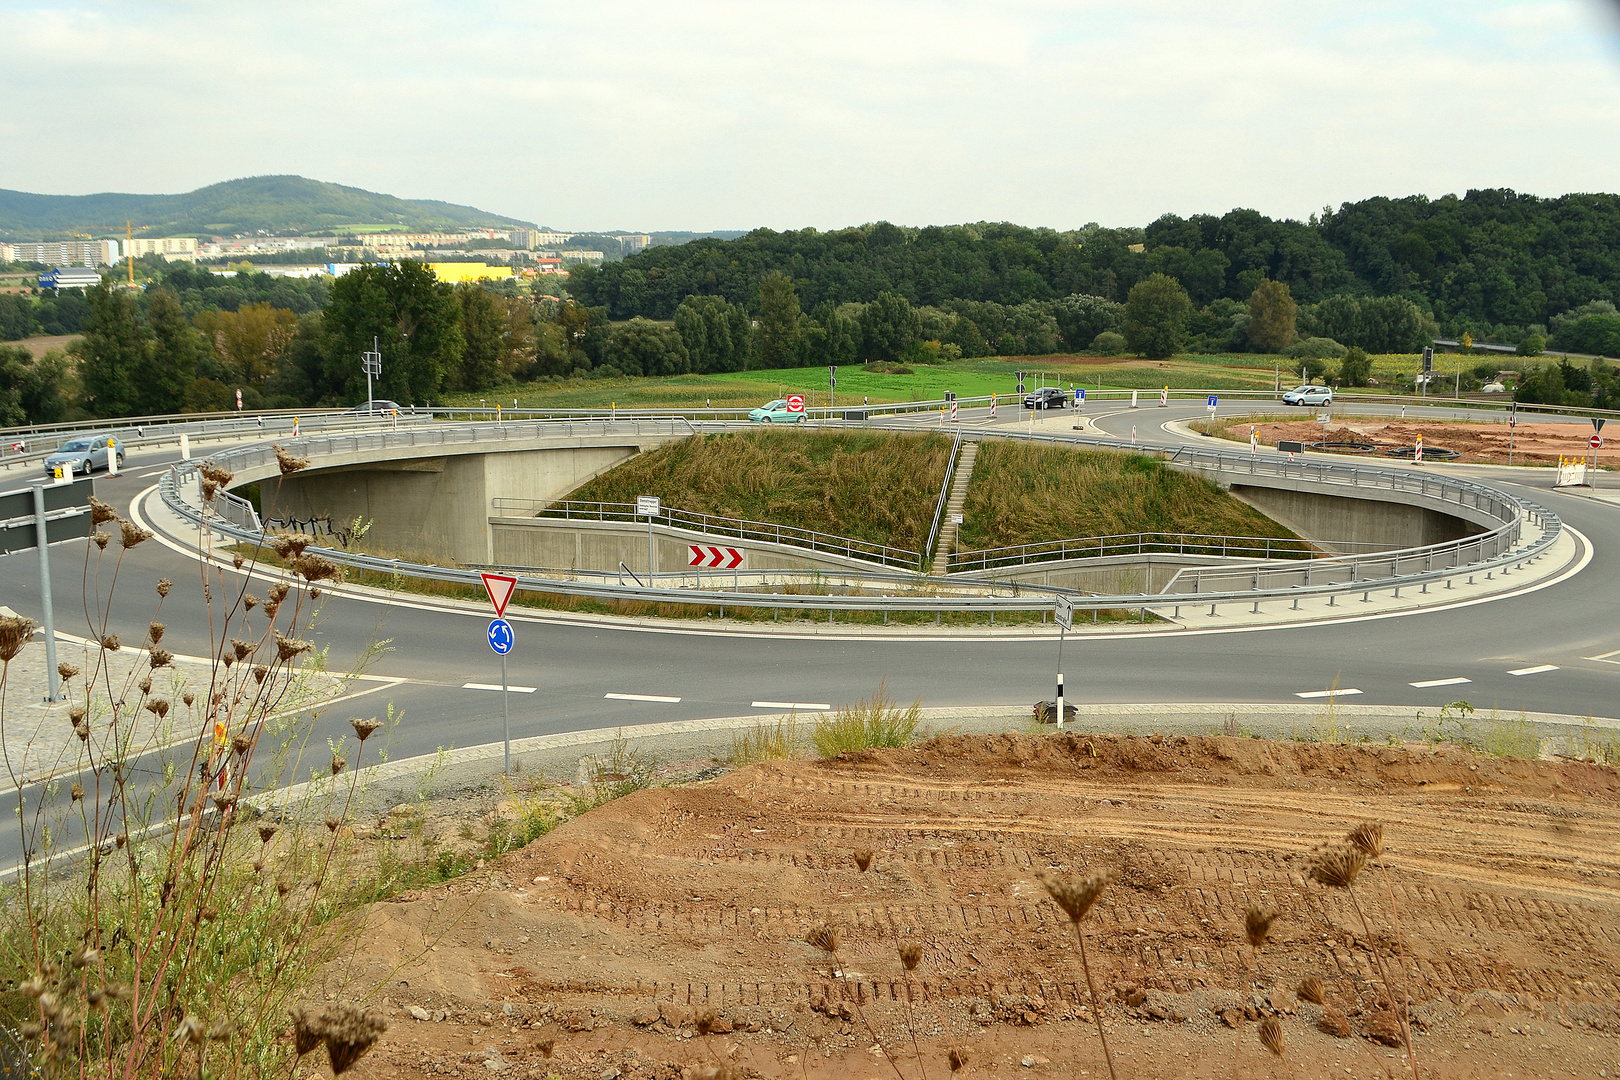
(467,271)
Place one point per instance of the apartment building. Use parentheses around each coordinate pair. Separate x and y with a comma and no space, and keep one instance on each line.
(172,248)
(62,252)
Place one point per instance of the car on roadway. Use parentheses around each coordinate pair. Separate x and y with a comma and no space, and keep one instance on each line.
(85,453)
(775,412)
(1309,395)
(377,407)
(1047,397)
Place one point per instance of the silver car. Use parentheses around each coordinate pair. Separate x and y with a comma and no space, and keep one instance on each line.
(85,454)
(1309,395)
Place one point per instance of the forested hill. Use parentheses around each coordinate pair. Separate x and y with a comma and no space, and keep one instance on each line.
(1489,262)
(282,205)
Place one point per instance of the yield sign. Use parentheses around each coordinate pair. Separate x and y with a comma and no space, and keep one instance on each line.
(714,558)
(499,587)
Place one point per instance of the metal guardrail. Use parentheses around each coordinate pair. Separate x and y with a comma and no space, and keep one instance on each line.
(1143,543)
(1484,554)
(759,531)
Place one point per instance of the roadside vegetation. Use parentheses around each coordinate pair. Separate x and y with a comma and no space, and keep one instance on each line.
(1025,493)
(876,486)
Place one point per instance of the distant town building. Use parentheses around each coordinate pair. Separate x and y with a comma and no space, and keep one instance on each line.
(577,255)
(172,248)
(62,252)
(535,239)
(633,242)
(70,277)
(469,271)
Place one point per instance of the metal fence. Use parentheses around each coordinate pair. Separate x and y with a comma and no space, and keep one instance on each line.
(1143,543)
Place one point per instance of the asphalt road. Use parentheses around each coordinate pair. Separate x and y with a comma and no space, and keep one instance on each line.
(572,668)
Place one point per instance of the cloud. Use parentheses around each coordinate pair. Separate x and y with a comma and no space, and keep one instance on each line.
(717,114)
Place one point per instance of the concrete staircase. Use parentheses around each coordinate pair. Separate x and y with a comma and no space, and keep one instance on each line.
(959,486)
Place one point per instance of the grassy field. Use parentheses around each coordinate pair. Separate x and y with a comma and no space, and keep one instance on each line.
(968,378)
(875,486)
(1027,494)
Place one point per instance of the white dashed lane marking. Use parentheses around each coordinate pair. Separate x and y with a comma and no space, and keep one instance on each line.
(1537,670)
(1440,682)
(641,697)
(791,705)
(497,686)
(1347,692)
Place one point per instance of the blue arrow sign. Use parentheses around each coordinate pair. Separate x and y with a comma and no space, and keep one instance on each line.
(500,636)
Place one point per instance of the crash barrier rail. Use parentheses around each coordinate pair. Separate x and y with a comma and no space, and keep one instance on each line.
(939,504)
(1496,550)
(1142,543)
(759,531)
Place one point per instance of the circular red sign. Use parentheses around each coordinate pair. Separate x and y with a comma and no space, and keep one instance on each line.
(795,403)
(1595,442)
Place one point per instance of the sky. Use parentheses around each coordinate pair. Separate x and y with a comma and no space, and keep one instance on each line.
(711,114)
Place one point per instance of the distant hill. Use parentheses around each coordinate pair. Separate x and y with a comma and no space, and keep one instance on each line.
(284,205)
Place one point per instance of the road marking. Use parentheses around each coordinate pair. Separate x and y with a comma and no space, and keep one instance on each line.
(1439,682)
(497,686)
(1537,670)
(1327,693)
(1607,658)
(791,705)
(641,697)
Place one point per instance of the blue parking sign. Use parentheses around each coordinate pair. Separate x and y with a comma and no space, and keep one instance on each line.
(500,636)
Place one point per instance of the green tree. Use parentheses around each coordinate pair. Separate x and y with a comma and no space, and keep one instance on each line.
(778,332)
(16,316)
(1533,344)
(715,332)
(889,327)
(1155,316)
(174,353)
(1081,318)
(112,351)
(16,363)
(483,332)
(643,347)
(1272,317)
(1356,367)
(415,320)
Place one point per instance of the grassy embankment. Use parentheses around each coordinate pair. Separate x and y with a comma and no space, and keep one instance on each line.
(1028,494)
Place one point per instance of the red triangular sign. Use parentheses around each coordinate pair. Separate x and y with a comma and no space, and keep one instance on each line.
(499,587)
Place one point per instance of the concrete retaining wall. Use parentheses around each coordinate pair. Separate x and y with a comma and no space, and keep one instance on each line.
(601,545)
(1341,523)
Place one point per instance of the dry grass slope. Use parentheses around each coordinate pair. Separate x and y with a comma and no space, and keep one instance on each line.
(872,486)
(1028,494)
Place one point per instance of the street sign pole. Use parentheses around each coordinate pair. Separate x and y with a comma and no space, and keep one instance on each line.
(1064,617)
(46,611)
(506,720)
(500,588)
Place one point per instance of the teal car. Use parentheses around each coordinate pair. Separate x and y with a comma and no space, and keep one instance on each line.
(777,412)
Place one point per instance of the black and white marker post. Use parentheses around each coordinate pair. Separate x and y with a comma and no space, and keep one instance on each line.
(1064,616)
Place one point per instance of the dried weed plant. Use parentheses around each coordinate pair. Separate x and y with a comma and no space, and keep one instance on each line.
(827,937)
(1075,895)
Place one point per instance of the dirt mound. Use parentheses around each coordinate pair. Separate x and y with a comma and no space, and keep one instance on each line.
(611,940)
(1474,443)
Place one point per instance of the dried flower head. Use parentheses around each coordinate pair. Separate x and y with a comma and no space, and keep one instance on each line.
(261,673)
(240,743)
(163,586)
(192,1030)
(217,474)
(289,546)
(314,568)
(121,839)
(100,539)
(278,592)
(364,729)
(287,647)
(289,463)
(283,887)
(308,1030)
(76,714)
(209,489)
(267,831)
(15,632)
(1075,894)
(956,1058)
(155,630)
(333,824)
(238,561)
(241,648)
(159,657)
(1338,866)
(863,858)
(130,534)
(249,601)
(224,800)
(66,671)
(337,764)
(1310,989)
(219,1029)
(1271,1035)
(188,697)
(546,1046)
(349,1034)
(110,643)
(76,791)
(1368,837)
(100,511)
(824,936)
(910,955)
(1257,924)
(705,1020)
(158,707)
(271,607)
(145,686)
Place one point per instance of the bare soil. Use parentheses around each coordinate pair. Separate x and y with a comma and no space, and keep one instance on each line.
(1533,444)
(593,952)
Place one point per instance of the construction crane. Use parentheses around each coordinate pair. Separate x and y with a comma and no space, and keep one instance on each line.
(129,248)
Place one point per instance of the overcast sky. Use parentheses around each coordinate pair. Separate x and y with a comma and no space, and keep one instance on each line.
(708,114)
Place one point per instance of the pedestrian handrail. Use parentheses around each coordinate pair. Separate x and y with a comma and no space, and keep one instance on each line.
(1143,543)
(939,505)
(710,524)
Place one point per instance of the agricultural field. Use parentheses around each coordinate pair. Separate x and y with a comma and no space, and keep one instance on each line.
(1028,494)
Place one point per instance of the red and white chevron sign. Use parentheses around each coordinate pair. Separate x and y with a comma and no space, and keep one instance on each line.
(714,558)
